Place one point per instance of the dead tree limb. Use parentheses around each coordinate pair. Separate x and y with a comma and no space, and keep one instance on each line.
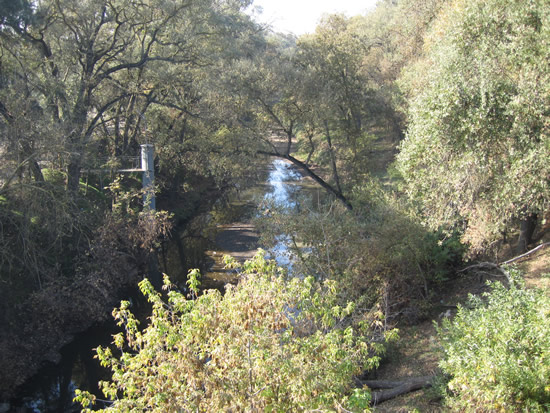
(392,389)
(519,257)
(381,384)
(481,266)
(488,266)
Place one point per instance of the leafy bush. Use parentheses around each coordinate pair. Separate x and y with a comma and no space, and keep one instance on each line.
(269,344)
(477,149)
(498,351)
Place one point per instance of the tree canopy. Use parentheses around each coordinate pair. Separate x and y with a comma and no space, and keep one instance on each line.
(477,147)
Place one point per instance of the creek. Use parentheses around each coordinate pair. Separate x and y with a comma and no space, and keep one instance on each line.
(225,229)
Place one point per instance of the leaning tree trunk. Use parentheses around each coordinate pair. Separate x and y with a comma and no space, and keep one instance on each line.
(527,229)
(329,188)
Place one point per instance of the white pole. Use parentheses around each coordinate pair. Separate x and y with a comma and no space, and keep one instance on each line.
(148,168)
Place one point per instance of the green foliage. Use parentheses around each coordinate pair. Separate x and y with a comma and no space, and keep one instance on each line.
(379,253)
(476,156)
(497,351)
(37,221)
(15,13)
(339,97)
(193,281)
(443,253)
(269,344)
(63,113)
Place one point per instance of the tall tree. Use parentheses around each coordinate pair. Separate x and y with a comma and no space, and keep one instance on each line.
(84,81)
(266,92)
(477,150)
(88,59)
(338,90)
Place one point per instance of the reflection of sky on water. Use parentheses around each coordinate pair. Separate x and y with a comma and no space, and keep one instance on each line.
(281,252)
(282,193)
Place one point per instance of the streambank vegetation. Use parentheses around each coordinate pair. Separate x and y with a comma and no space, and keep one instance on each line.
(425,122)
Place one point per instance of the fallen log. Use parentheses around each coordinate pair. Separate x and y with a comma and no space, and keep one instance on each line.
(394,388)
(483,265)
(381,384)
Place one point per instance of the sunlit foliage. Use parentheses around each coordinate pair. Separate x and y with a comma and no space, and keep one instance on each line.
(497,351)
(271,343)
(477,151)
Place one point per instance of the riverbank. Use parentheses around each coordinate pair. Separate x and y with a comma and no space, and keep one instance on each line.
(47,346)
(418,352)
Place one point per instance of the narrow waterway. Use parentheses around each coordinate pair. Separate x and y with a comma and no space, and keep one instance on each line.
(286,184)
(226,229)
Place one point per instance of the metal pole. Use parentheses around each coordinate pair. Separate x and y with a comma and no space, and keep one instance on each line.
(148,168)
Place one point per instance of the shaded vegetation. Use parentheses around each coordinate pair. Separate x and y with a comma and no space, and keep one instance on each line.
(425,123)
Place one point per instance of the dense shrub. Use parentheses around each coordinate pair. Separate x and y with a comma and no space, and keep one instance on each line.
(497,351)
(476,155)
(380,254)
(269,344)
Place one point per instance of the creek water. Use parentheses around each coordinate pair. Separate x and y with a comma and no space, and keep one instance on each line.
(286,184)
(226,229)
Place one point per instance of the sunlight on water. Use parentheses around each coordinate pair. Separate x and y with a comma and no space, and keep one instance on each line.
(279,178)
(282,194)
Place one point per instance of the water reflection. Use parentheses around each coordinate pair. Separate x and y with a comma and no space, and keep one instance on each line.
(51,390)
(284,181)
(281,179)
(227,229)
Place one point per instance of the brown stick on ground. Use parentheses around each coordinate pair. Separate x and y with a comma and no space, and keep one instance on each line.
(546,244)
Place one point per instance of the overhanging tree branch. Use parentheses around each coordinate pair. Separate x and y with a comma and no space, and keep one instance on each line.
(309,172)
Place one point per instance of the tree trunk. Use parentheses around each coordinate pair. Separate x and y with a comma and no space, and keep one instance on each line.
(36,171)
(332,159)
(527,229)
(73,175)
(309,135)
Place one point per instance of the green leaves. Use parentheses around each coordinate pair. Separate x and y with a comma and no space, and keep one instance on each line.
(474,156)
(269,344)
(498,351)
(193,281)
